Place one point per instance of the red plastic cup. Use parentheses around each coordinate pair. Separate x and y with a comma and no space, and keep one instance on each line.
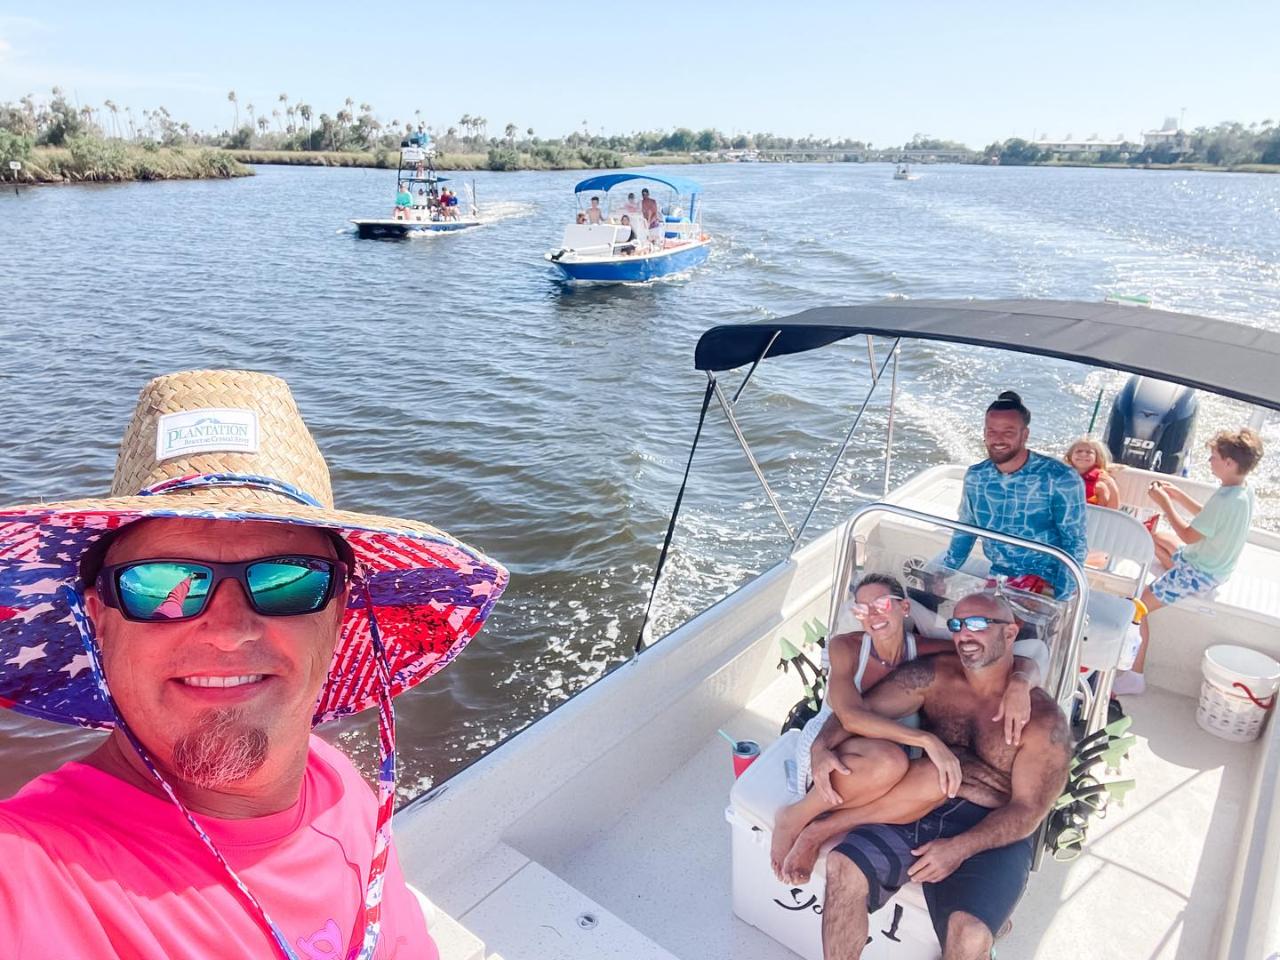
(744,754)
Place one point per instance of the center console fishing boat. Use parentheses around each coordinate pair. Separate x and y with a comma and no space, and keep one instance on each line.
(422,206)
(651,228)
(600,830)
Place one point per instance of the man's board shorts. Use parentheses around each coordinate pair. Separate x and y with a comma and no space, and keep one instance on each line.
(1182,580)
(988,885)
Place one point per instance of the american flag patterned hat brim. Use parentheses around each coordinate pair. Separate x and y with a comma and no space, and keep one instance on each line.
(430,595)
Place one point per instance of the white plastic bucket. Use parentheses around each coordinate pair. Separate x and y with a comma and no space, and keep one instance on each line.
(1238,691)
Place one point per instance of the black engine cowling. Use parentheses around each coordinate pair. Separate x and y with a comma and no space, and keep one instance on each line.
(1152,425)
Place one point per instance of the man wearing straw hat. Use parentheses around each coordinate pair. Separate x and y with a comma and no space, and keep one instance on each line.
(208,613)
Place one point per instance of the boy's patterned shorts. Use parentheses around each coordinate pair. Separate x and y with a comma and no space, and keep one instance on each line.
(1181,581)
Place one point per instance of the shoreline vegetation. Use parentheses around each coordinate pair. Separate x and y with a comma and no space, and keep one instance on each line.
(58,141)
(91,160)
(386,159)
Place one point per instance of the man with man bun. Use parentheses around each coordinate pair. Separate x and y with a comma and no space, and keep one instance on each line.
(1022,493)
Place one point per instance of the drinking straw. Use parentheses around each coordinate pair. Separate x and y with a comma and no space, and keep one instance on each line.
(729,738)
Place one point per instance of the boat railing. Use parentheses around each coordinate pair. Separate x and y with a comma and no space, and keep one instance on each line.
(1061,683)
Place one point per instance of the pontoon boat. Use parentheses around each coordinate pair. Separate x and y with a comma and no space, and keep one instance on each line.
(600,830)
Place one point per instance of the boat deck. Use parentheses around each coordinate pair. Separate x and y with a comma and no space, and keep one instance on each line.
(1151,883)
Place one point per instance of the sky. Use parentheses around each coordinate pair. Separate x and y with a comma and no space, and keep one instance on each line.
(876,71)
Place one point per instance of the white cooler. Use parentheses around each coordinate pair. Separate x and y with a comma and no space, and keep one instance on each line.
(901,930)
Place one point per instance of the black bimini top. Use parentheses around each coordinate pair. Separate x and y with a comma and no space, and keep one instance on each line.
(1215,355)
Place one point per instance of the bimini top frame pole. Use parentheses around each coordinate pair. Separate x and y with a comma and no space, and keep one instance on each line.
(714,389)
(835,462)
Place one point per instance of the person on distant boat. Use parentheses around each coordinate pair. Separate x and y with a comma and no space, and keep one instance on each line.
(1089,457)
(856,755)
(971,849)
(649,210)
(449,204)
(594,213)
(628,246)
(1020,492)
(582,217)
(631,206)
(209,625)
(404,200)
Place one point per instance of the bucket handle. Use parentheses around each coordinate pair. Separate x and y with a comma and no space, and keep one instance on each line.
(1260,704)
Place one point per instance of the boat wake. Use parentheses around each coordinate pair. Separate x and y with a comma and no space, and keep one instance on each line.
(505,210)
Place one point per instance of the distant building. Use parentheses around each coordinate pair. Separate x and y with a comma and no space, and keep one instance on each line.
(1170,135)
(1068,146)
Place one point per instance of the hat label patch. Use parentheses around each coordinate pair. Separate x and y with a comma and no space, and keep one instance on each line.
(203,431)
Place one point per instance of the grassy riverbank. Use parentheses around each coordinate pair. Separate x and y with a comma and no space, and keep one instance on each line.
(103,161)
(348,158)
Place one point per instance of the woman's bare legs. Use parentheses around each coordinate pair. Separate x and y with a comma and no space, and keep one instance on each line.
(907,801)
(875,766)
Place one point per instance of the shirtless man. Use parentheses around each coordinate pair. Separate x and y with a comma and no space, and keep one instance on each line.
(972,852)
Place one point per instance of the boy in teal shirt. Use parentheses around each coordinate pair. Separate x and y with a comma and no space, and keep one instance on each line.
(1201,551)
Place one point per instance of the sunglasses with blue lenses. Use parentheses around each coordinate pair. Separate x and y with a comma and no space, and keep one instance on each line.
(164,591)
(972,623)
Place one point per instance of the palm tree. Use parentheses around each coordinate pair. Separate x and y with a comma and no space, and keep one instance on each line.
(276,114)
(114,110)
(305,110)
(249,110)
(510,131)
(529,133)
(235,103)
(263,123)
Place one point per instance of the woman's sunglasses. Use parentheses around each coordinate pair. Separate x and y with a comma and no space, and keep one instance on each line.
(162,591)
(974,624)
(878,605)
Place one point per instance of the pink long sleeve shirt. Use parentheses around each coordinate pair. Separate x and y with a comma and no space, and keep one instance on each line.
(92,867)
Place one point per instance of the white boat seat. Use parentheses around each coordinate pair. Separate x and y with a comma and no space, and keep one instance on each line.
(589,236)
(1120,543)
(1108,632)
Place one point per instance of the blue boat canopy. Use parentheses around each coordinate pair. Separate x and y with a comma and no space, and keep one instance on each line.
(607,181)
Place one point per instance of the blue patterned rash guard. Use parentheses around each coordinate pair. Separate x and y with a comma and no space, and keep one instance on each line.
(1043,501)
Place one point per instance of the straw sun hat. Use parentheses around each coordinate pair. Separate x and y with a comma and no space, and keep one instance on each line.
(231,445)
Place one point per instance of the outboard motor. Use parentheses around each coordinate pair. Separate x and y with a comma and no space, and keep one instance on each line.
(1151,425)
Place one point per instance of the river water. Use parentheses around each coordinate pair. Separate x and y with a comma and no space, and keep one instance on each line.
(453,380)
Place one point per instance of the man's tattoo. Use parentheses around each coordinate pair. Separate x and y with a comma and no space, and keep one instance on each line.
(914,674)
